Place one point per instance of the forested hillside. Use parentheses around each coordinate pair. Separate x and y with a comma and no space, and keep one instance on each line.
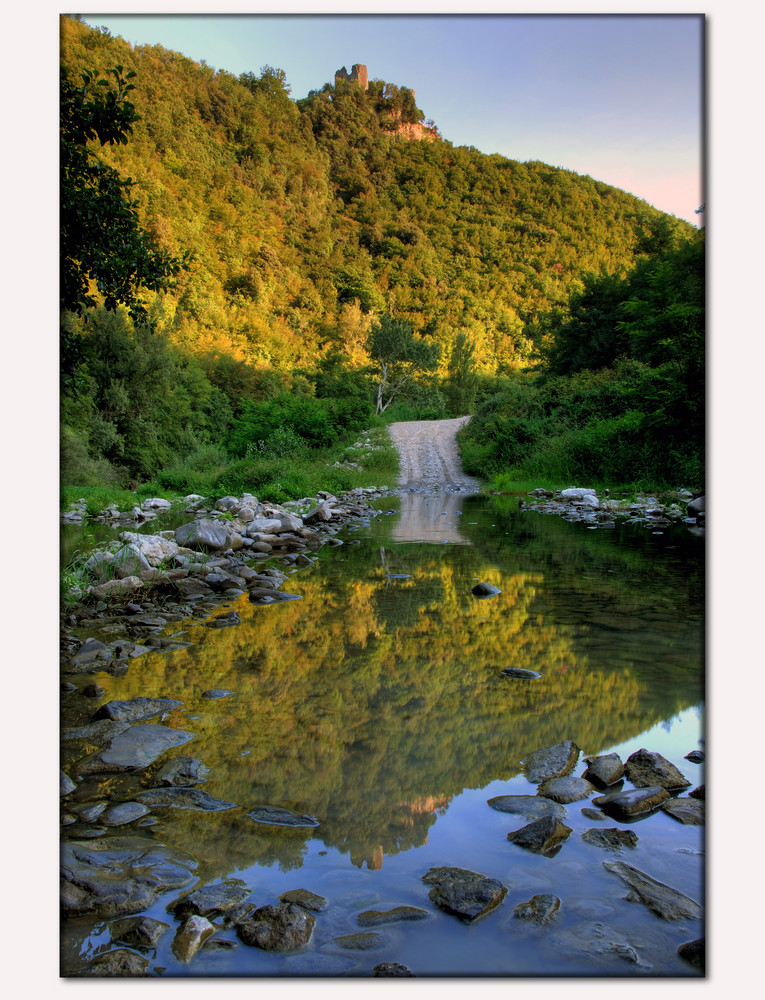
(303,224)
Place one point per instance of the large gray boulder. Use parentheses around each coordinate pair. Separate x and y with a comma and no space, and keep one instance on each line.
(202,535)
(277,927)
(551,762)
(154,548)
(644,768)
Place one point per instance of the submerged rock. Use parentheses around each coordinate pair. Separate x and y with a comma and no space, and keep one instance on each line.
(485,590)
(633,801)
(551,762)
(119,875)
(136,709)
(521,673)
(604,770)
(308,900)
(539,909)
(184,798)
(566,789)
(666,902)
(466,894)
(141,932)
(276,816)
(694,953)
(598,940)
(119,962)
(392,969)
(528,806)
(688,811)
(364,941)
(543,836)
(371,918)
(182,771)
(645,769)
(610,838)
(277,927)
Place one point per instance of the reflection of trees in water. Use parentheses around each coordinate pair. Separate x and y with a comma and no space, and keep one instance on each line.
(371,702)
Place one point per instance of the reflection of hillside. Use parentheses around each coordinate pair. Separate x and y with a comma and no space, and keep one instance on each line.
(372,701)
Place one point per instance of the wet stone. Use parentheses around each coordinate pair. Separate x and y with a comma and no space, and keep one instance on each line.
(645,769)
(91,691)
(211,900)
(520,673)
(141,932)
(485,590)
(694,953)
(308,900)
(598,940)
(276,816)
(190,937)
(279,927)
(544,836)
(605,770)
(696,756)
(126,812)
(566,789)
(392,969)
(611,839)
(551,762)
(371,918)
(182,771)
(216,693)
(528,806)
(136,710)
(633,802)
(663,900)
(364,941)
(688,811)
(120,962)
(539,909)
(466,894)
(699,793)
(134,748)
(184,798)
(595,814)
(119,875)
(66,785)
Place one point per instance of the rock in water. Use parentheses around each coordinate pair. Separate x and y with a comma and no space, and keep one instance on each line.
(360,942)
(666,902)
(485,590)
(633,802)
(539,909)
(308,900)
(605,770)
(275,816)
(134,748)
(521,674)
(190,938)
(392,969)
(210,901)
(688,811)
(136,710)
(280,927)
(543,836)
(694,952)
(120,962)
(644,769)
(610,838)
(182,771)
(141,932)
(371,918)
(528,806)
(185,798)
(468,895)
(551,762)
(202,535)
(566,789)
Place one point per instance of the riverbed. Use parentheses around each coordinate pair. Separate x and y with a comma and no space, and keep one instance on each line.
(376,703)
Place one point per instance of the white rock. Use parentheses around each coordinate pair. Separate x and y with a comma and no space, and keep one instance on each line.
(577,493)
(156,503)
(154,548)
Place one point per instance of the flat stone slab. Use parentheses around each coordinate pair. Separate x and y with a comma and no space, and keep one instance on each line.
(125,812)
(210,900)
(645,769)
(666,902)
(135,748)
(528,806)
(539,909)
(464,893)
(183,798)
(183,771)
(632,802)
(688,811)
(604,770)
(119,875)
(543,836)
(371,918)
(598,940)
(521,674)
(610,838)
(136,710)
(141,932)
(303,897)
(551,762)
(276,816)
(566,789)
(364,941)
(279,927)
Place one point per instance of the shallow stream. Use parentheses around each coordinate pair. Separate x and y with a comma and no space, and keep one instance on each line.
(376,703)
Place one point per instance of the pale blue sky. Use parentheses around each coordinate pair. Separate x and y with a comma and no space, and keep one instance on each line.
(615,96)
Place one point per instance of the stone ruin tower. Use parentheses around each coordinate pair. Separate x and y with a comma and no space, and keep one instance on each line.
(358,75)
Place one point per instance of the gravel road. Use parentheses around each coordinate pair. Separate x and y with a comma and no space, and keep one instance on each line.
(429,456)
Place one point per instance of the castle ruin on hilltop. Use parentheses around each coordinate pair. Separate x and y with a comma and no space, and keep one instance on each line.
(358,75)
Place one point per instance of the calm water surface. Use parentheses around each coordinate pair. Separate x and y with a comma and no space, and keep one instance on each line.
(377,703)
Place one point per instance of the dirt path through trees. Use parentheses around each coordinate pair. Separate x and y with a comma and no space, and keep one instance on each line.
(429,456)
